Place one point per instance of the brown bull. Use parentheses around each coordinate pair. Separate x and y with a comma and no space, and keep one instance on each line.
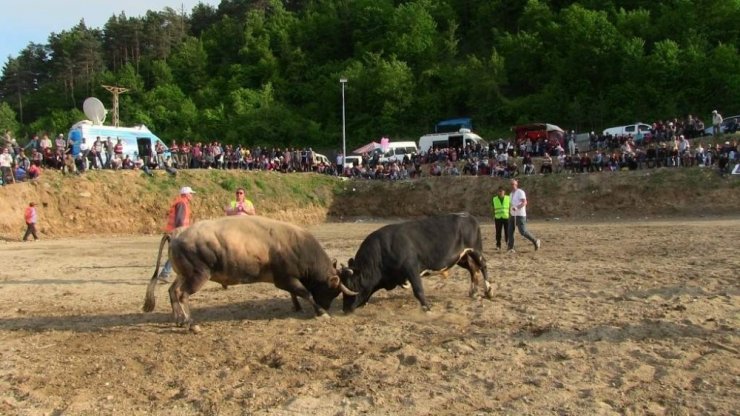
(247,249)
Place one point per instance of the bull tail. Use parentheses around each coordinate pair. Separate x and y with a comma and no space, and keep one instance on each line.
(149,300)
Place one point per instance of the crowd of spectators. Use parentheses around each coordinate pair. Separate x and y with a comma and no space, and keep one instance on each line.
(21,163)
(675,143)
(667,144)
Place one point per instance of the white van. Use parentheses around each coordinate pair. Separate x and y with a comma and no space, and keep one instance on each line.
(396,151)
(636,130)
(462,138)
(318,159)
(136,140)
(352,161)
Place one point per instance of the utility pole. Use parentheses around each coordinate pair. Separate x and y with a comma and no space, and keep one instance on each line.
(116,91)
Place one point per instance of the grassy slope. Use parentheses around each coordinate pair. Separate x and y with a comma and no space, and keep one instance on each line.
(130,202)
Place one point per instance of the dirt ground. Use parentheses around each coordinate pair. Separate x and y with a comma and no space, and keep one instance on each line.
(624,318)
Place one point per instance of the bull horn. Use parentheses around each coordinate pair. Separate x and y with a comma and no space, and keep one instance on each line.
(346,290)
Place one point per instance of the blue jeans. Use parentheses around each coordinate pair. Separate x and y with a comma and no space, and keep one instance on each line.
(520,223)
(166,270)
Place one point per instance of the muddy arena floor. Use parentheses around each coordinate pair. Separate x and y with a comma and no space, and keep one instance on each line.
(623,318)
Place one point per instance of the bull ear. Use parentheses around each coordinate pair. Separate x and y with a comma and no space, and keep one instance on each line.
(350,262)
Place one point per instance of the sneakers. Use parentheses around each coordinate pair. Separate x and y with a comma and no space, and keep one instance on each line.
(511,251)
(537,245)
(163,279)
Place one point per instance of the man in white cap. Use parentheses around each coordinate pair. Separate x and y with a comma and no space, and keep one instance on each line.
(179,216)
(716,123)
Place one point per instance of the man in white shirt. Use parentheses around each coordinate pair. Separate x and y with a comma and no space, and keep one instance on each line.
(518,217)
(716,123)
(6,162)
(45,143)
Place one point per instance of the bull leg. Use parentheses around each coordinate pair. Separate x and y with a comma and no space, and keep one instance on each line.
(296,304)
(296,290)
(484,271)
(178,309)
(475,262)
(179,292)
(418,290)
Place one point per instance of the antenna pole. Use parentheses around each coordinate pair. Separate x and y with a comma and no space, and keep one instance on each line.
(116,91)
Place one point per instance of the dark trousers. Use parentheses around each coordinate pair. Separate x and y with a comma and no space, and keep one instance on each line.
(30,230)
(501,224)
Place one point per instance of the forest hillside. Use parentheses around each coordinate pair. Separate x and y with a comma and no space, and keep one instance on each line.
(267,72)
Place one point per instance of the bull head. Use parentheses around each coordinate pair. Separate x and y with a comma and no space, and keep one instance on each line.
(349,277)
(336,282)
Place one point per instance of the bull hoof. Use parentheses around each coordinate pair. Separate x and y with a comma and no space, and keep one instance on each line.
(489,293)
(195,329)
(472,293)
(323,316)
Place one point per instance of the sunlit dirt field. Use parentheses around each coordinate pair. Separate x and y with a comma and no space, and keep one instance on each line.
(607,318)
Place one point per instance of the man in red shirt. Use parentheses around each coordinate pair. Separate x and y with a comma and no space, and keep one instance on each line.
(30,217)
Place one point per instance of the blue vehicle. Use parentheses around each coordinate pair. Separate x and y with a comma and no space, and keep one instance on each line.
(453,125)
(138,140)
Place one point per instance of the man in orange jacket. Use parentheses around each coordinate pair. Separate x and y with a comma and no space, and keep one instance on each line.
(179,217)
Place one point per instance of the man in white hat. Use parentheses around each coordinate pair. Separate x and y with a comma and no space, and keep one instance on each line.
(716,123)
(178,217)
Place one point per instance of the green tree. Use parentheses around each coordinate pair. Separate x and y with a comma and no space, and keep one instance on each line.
(171,112)
(8,121)
(77,60)
(189,65)
(22,76)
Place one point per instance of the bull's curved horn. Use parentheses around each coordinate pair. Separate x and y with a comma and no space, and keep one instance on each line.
(346,290)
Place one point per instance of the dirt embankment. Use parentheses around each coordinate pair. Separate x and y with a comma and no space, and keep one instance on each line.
(130,202)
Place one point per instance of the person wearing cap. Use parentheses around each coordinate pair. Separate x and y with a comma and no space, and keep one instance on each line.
(30,217)
(716,123)
(241,205)
(60,143)
(179,216)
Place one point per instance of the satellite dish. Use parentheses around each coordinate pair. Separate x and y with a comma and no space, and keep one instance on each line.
(94,110)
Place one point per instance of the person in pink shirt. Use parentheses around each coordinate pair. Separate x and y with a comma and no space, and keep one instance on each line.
(30,217)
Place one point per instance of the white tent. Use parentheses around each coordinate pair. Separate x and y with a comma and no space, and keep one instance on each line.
(367,148)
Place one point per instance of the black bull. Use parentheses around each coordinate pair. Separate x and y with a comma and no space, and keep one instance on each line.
(406,251)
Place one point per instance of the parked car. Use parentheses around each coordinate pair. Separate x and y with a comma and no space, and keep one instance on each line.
(318,159)
(638,131)
(352,161)
(729,125)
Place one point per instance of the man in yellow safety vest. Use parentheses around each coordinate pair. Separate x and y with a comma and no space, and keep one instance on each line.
(500,209)
(241,205)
